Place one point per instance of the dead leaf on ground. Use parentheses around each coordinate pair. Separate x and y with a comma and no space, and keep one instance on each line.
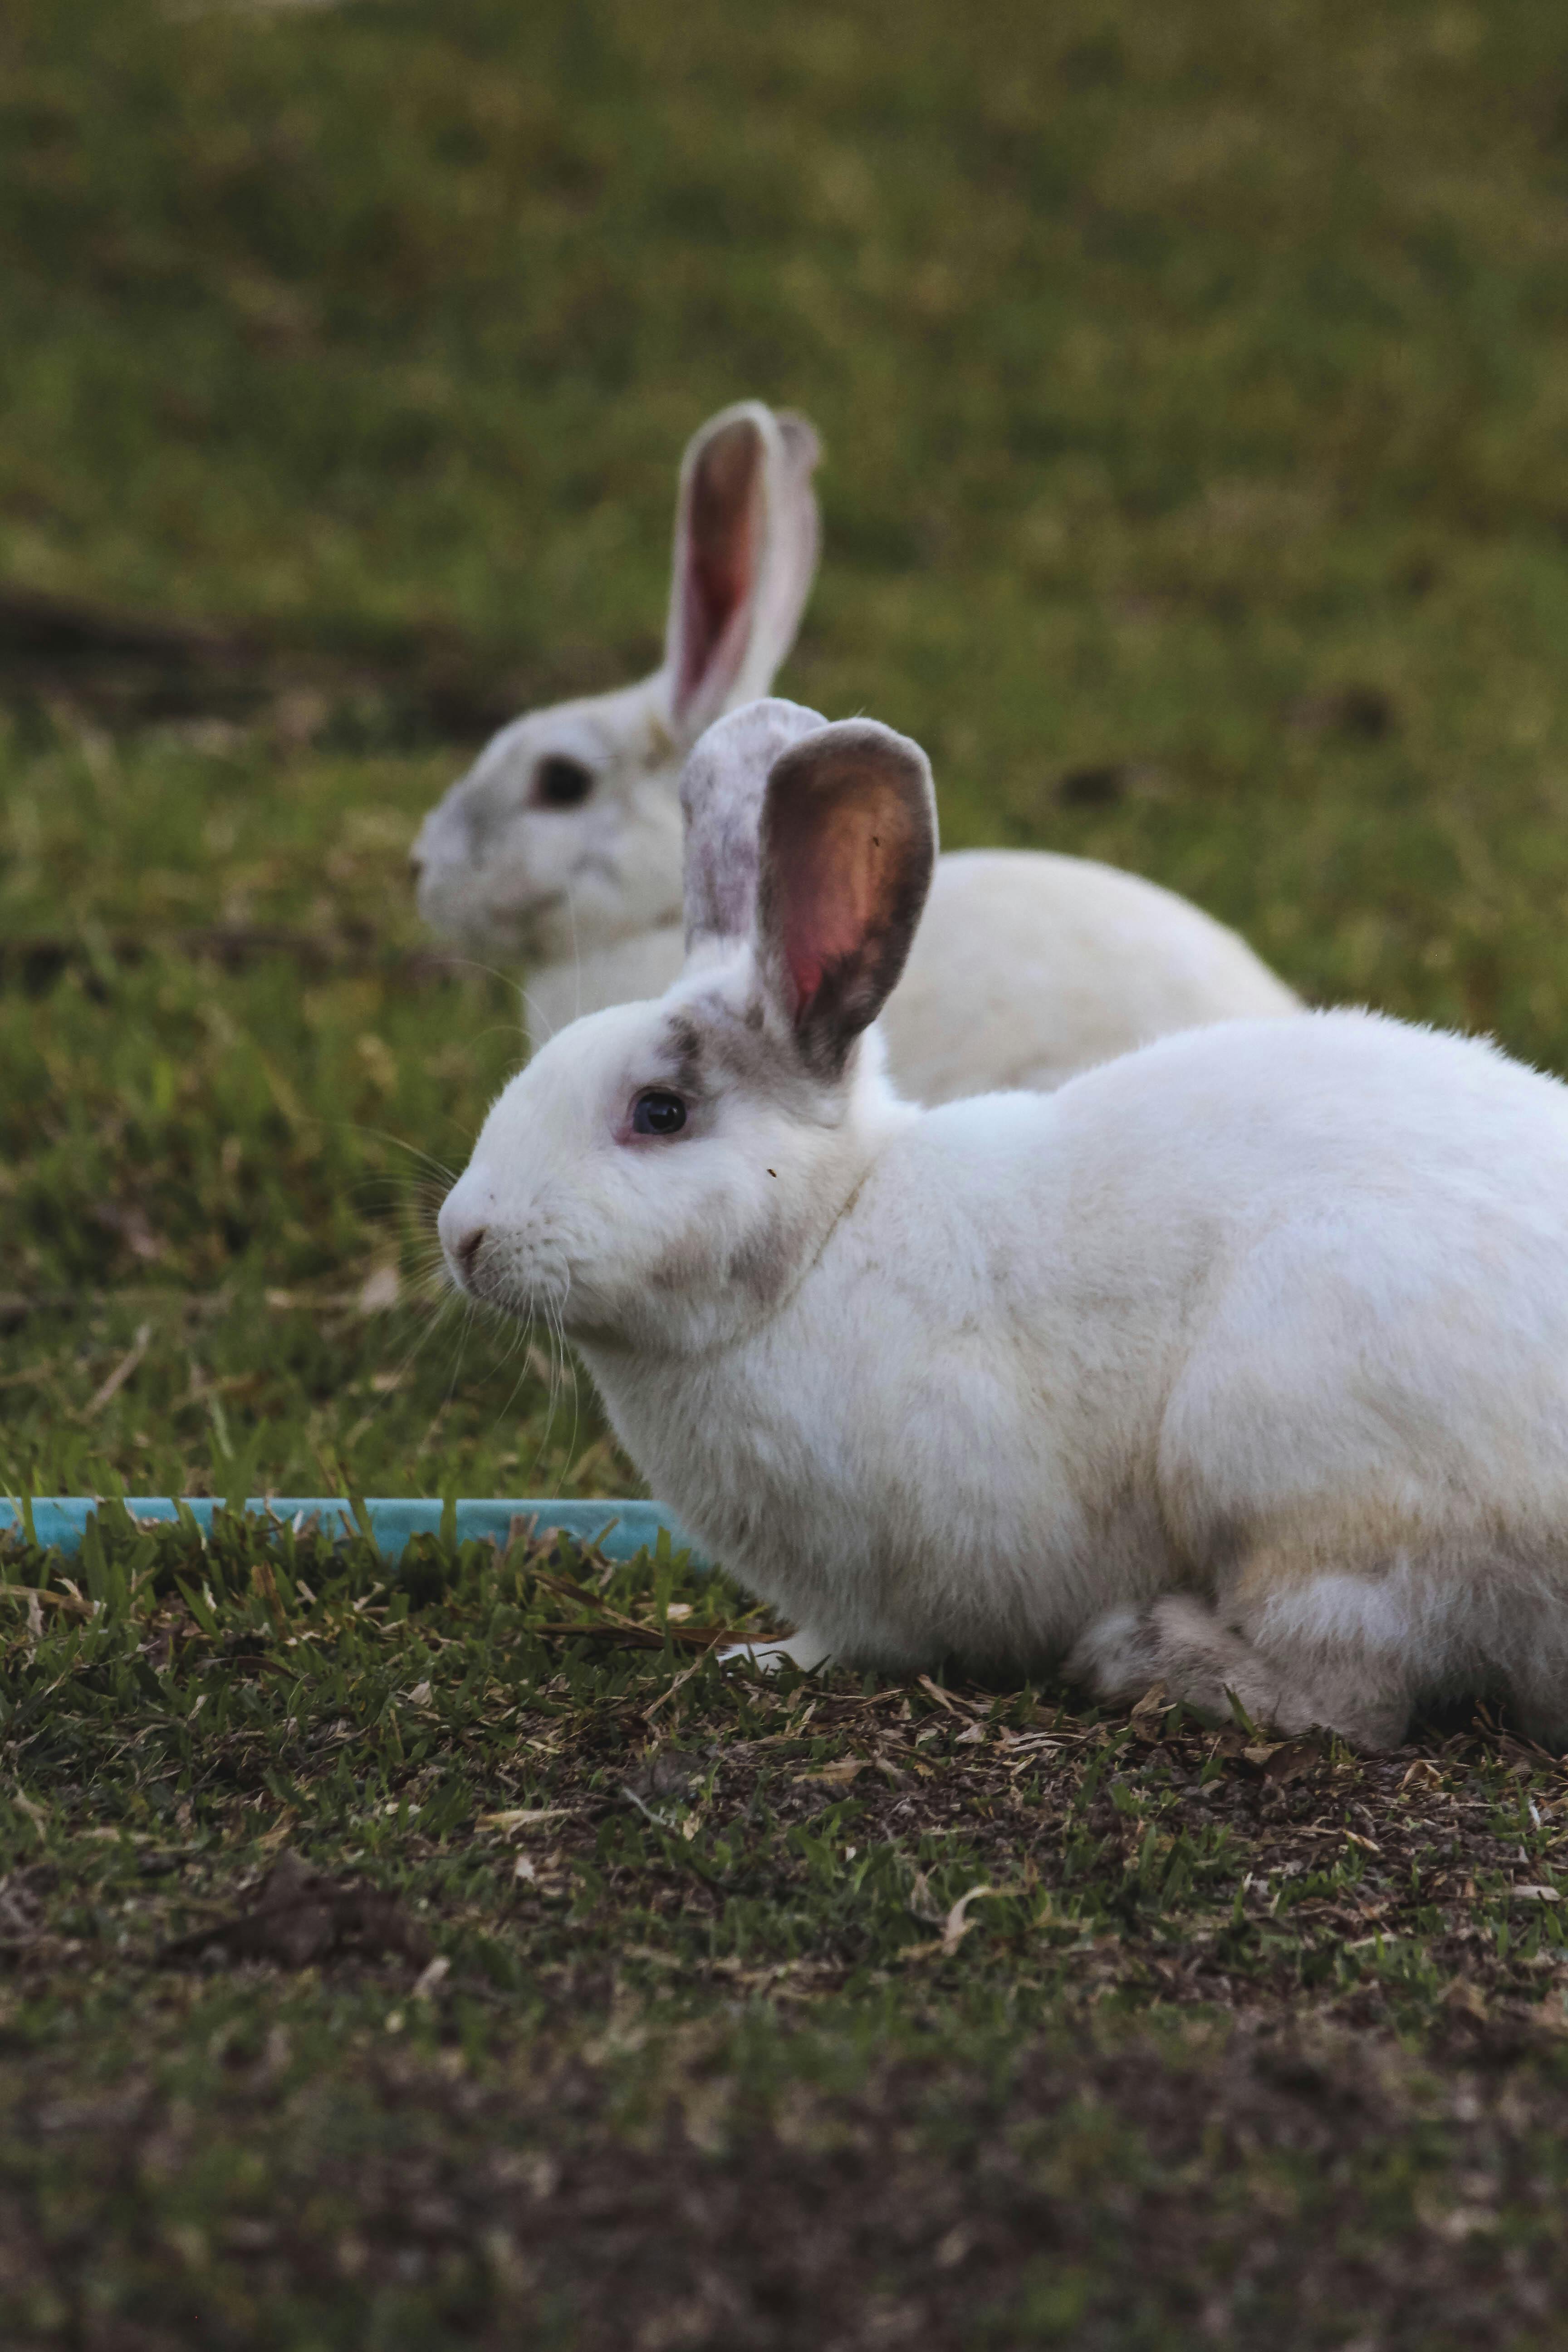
(523,1817)
(958,1923)
(923,1904)
(128,1364)
(635,1637)
(297,1915)
(943,1698)
(1148,1718)
(837,1775)
(33,1594)
(1293,1760)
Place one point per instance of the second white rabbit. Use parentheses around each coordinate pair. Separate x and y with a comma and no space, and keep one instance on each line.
(562,846)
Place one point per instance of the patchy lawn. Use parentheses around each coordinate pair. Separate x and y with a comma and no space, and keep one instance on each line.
(393,1959)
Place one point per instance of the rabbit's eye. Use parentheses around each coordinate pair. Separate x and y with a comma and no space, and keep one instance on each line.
(562,784)
(658,1113)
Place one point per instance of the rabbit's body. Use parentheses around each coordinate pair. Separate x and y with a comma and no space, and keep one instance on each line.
(1029,967)
(1241,1362)
(562,845)
(1265,1327)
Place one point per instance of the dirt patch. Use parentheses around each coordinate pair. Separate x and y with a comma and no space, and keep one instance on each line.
(128,670)
(299,1916)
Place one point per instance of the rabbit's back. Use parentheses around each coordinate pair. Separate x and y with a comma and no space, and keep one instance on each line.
(1350,1221)
(1380,1365)
(1339,1257)
(1030,967)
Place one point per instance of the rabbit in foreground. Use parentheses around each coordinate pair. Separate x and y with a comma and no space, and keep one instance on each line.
(1241,1362)
(562,844)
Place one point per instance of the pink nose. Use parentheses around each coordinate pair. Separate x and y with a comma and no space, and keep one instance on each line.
(466,1249)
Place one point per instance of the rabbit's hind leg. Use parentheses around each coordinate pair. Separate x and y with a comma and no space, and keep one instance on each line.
(1208,1663)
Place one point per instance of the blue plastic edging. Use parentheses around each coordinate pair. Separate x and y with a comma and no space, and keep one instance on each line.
(620,1529)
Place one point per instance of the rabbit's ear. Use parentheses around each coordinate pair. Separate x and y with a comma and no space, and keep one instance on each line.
(795,542)
(746,552)
(721,788)
(848,845)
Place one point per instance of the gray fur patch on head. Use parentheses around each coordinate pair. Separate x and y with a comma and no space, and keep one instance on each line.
(683,1043)
(722,1037)
(711,1048)
(721,789)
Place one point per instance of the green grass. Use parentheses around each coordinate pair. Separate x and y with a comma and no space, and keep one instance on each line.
(1193,377)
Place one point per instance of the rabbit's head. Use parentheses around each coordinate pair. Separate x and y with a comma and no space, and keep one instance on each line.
(661,1174)
(564,835)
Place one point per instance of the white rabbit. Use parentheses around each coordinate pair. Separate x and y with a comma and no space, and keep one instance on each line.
(1241,1362)
(563,843)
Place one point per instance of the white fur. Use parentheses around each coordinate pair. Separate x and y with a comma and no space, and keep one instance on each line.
(625,971)
(1240,1362)
(507,876)
(1028,968)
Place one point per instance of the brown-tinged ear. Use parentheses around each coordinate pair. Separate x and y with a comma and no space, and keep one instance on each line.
(745,554)
(848,842)
(721,788)
(720,527)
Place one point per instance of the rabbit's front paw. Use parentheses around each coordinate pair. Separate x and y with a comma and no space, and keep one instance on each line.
(807,1651)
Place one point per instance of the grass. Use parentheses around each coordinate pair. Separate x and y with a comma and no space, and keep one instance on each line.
(779,2012)
(1193,380)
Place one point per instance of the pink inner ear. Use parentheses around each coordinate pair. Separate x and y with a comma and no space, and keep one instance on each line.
(831,901)
(715,620)
(723,541)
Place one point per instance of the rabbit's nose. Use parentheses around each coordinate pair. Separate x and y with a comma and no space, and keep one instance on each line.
(465,1248)
(462,1227)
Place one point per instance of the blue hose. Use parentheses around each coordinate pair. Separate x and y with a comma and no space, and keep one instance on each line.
(620,1529)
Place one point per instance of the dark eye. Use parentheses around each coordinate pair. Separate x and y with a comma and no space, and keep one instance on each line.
(658,1113)
(562,784)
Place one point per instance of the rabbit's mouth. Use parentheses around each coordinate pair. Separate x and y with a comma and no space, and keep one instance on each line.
(483,923)
(486,1268)
(527,925)
(518,927)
